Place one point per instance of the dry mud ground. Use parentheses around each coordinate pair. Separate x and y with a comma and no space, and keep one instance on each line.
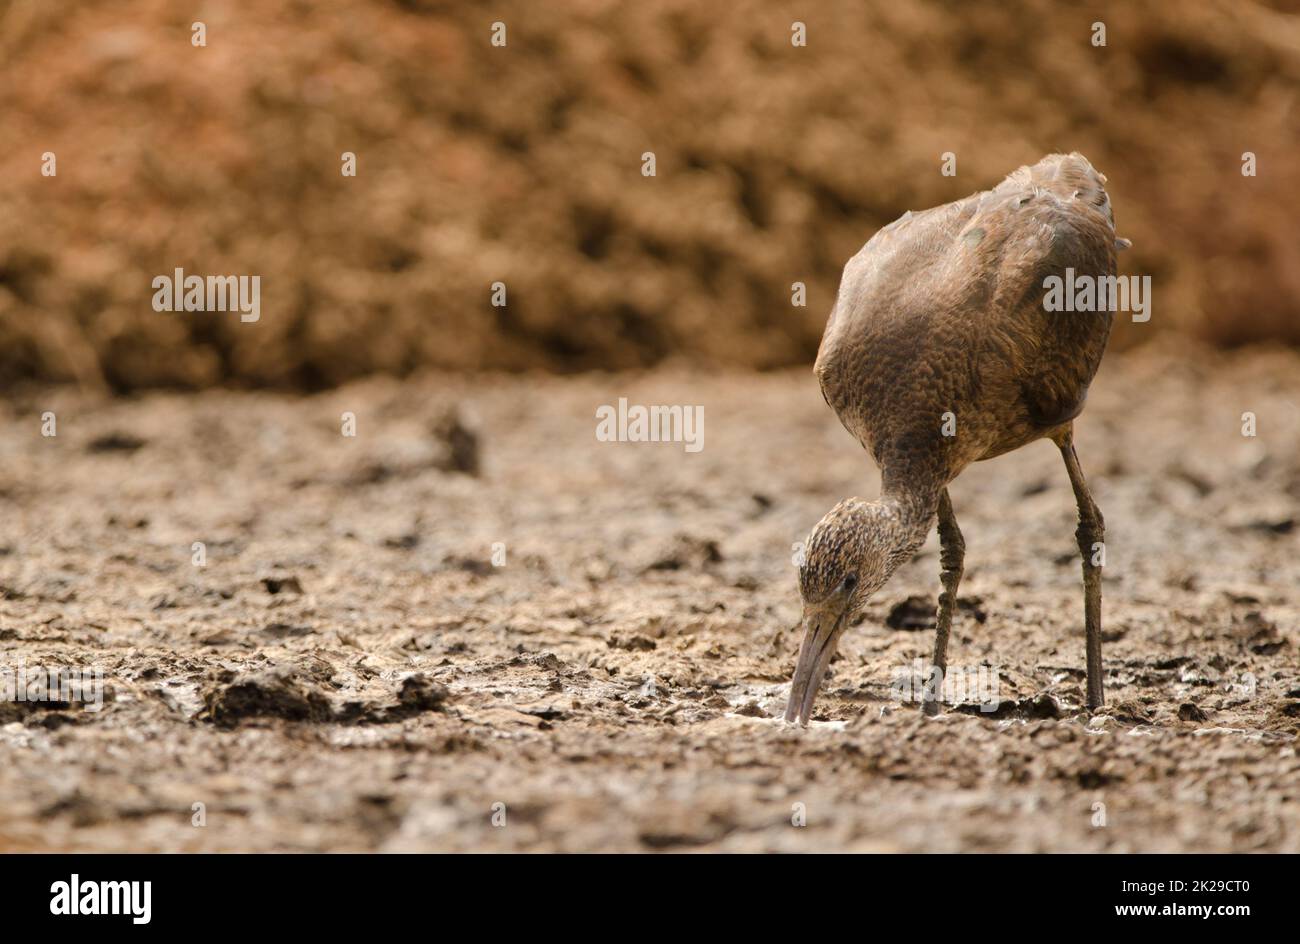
(349,671)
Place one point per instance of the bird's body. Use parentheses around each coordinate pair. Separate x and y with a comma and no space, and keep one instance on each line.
(940,352)
(941,312)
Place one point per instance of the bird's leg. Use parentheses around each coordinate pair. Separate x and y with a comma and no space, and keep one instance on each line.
(1091,535)
(951,555)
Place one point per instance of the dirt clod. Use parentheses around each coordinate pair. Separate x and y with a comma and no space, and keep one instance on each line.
(276,585)
(460,441)
(270,693)
(632,642)
(115,442)
(915,612)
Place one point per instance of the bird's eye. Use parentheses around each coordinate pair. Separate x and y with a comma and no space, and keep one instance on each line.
(851,582)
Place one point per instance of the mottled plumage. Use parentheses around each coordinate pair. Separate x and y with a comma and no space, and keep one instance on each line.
(939,352)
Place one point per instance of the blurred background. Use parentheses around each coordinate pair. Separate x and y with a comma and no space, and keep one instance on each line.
(522,164)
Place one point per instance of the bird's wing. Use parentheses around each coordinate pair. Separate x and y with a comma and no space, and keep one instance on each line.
(962,284)
(1043,220)
(1055,210)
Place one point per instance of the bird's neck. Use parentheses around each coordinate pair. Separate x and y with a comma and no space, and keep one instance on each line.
(913,509)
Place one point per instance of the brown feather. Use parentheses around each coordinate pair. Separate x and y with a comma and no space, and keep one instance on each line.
(942,311)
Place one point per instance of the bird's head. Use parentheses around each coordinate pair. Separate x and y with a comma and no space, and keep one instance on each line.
(850,555)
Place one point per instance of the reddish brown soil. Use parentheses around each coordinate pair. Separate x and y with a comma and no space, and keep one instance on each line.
(522,165)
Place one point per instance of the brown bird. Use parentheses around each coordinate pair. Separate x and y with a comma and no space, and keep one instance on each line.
(940,352)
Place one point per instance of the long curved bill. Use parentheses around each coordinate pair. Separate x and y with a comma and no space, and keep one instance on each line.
(821,633)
